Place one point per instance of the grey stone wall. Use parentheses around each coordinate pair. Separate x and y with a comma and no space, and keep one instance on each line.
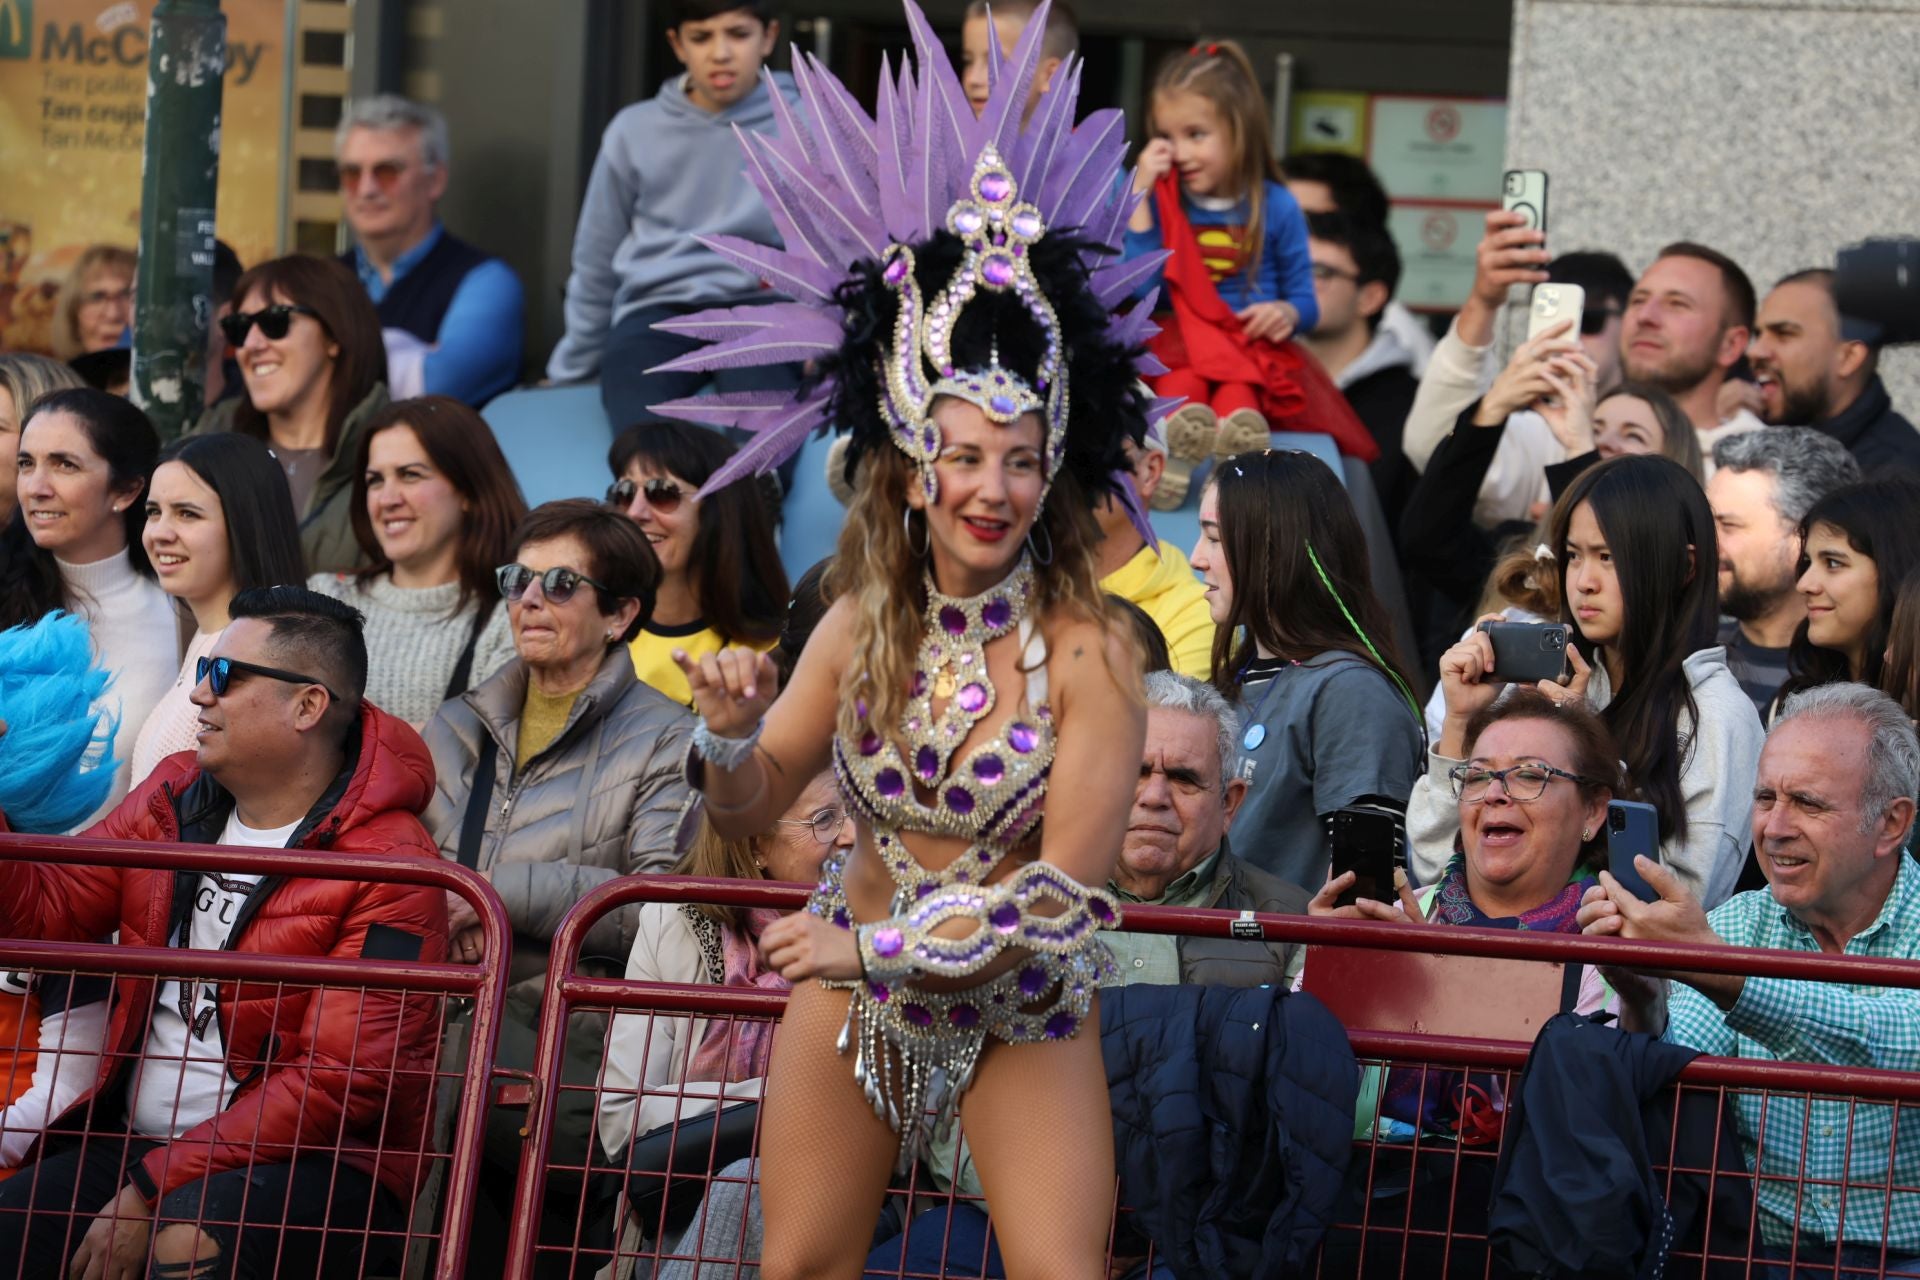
(1773,130)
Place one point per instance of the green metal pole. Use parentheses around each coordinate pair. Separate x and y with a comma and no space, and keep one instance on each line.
(186,58)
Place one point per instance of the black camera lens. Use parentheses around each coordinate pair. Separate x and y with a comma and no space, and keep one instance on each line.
(1616,820)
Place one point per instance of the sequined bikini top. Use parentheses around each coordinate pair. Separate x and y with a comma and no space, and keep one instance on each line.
(992,796)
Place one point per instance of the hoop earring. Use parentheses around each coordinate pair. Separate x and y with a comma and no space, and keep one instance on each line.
(906,524)
(1034,551)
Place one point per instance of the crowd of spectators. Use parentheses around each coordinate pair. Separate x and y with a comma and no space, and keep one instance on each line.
(329,620)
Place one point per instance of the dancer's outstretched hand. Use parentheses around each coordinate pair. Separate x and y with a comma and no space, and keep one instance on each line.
(802,946)
(732,689)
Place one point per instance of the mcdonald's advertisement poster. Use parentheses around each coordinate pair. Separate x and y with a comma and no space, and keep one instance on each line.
(73,78)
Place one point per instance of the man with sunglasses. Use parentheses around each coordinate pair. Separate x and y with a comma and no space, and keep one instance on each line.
(449,312)
(207,1089)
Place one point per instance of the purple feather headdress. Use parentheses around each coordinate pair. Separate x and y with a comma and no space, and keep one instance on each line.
(862,206)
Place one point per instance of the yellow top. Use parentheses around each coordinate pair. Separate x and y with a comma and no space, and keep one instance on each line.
(542,717)
(653,656)
(1164,586)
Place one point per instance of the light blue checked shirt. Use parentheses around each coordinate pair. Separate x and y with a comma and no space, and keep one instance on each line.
(1822,1166)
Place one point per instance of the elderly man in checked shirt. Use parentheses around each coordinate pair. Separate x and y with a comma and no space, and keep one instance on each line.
(1831,810)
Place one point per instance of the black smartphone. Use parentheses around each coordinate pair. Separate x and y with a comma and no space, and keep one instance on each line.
(1527,652)
(1632,828)
(1366,841)
(1524,191)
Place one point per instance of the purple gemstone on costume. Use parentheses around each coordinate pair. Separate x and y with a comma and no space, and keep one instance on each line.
(1061,1025)
(1002,404)
(926,762)
(964,1016)
(967,222)
(989,769)
(952,621)
(880,991)
(997,271)
(1022,738)
(887,942)
(972,698)
(860,707)
(925,889)
(869,743)
(928,440)
(896,270)
(1033,980)
(986,857)
(919,684)
(961,802)
(1005,918)
(918,1014)
(1020,251)
(997,613)
(889,783)
(995,187)
(1027,224)
(840,918)
(1101,910)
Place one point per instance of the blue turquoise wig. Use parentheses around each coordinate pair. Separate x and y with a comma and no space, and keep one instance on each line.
(56,757)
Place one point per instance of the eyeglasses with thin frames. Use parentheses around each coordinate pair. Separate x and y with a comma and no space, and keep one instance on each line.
(386,175)
(825,825)
(1523,783)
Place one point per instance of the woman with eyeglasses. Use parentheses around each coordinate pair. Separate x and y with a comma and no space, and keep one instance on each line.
(219,521)
(434,509)
(721,581)
(314,373)
(83,463)
(559,773)
(1636,550)
(653,1061)
(95,305)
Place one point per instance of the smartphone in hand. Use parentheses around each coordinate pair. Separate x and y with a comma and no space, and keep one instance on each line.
(1366,841)
(1524,191)
(1527,652)
(1552,303)
(1632,829)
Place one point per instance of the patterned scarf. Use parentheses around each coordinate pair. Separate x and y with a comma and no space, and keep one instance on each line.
(738,1050)
(1454,905)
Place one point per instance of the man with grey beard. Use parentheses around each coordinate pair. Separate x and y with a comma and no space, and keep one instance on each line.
(1764,483)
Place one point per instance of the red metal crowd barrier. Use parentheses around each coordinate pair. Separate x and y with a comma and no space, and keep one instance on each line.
(407,1001)
(1416,1202)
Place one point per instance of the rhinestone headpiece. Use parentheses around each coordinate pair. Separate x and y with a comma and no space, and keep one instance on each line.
(998,230)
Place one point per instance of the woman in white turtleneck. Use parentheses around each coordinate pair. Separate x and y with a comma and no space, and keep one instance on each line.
(74,543)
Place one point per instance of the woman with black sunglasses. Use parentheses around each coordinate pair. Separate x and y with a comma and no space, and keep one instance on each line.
(721,581)
(314,373)
(559,773)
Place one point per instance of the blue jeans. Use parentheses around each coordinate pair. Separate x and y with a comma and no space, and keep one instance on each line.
(940,1242)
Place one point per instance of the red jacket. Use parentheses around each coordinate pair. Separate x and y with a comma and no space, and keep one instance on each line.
(350,1070)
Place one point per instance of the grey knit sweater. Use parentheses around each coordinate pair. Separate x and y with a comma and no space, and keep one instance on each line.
(414,639)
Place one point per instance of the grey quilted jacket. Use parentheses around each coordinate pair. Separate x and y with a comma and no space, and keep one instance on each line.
(607,798)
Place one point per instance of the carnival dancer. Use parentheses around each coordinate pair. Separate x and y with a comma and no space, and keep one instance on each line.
(967,680)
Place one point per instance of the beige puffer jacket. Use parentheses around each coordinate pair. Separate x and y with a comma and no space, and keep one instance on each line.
(607,798)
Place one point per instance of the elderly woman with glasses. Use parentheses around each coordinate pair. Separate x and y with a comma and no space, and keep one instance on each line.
(658,1068)
(562,770)
(1533,795)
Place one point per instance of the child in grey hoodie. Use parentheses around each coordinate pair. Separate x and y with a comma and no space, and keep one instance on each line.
(669,170)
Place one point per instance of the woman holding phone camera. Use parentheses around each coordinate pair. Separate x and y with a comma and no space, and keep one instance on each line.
(1531,802)
(1634,541)
(1304,645)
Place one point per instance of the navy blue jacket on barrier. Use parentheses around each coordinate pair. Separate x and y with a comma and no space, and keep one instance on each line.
(1232,1123)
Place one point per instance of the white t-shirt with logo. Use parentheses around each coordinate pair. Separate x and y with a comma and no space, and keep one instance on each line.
(182,1080)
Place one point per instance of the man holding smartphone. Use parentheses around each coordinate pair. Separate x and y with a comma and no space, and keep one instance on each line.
(1833,804)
